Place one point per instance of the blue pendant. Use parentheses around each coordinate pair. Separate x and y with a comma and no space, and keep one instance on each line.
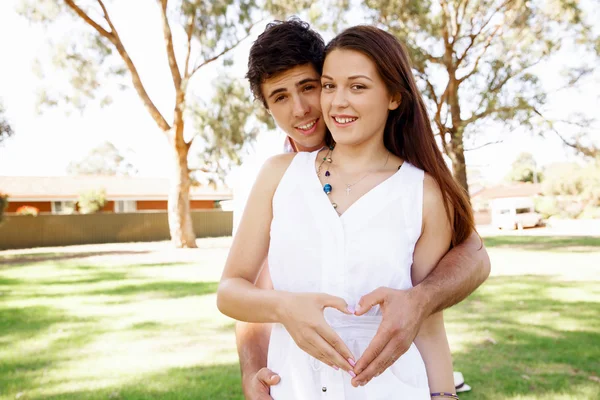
(327,188)
(327,173)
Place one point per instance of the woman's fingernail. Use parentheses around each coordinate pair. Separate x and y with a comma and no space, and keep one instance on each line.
(352,374)
(336,367)
(351,309)
(351,362)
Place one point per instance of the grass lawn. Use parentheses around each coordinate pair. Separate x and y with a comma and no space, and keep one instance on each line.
(139,321)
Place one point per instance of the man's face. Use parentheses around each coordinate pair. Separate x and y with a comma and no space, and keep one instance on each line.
(294,100)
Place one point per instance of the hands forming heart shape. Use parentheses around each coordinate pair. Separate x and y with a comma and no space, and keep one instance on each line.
(403,314)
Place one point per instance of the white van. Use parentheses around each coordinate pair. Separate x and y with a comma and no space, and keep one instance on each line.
(514,213)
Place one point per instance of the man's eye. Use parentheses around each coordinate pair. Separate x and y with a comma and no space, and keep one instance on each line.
(279,98)
(308,87)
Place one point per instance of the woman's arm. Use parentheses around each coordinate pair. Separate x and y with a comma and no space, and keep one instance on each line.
(239,298)
(434,242)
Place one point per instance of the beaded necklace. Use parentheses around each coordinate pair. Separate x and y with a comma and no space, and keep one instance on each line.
(327,188)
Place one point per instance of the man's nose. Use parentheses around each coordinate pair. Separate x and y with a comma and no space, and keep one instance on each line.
(301,107)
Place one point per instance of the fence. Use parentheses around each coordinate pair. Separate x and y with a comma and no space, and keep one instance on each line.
(25,231)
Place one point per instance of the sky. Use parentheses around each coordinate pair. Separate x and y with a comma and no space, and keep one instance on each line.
(44,144)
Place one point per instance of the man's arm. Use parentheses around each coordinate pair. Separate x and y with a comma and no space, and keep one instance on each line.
(252,341)
(458,274)
(462,270)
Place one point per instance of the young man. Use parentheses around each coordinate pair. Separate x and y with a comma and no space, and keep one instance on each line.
(284,70)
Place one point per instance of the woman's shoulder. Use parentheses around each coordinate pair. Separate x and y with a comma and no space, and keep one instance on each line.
(279,161)
(273,170)
(432,193)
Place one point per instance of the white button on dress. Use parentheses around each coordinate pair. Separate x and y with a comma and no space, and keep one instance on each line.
(313,249)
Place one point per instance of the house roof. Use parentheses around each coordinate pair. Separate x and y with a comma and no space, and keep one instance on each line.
(116,187)
(509,190)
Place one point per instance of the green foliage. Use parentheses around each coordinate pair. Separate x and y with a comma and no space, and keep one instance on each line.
(225,127)
(524,169)
(576,189)
(91,201)
(5,128)
(105,159)
(546,205)
(3,205)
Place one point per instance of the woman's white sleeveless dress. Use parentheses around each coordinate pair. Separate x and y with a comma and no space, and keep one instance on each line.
(313,249)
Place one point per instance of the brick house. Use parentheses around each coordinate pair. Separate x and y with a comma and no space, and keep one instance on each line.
(58,195)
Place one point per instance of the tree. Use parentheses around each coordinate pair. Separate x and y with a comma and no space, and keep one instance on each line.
(575,188)
(224,129)
(91,201)
(105,159)
(203,31)
(525,169)
(475,61)
(3,205)
(5,128)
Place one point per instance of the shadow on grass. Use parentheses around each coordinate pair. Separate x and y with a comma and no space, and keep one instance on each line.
(27,258)
(533,342)
(170,289)
(27,321)
(217,382)
(580,244)
(94,278)
(22,370)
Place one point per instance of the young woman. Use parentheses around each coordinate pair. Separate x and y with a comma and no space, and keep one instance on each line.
(377,210)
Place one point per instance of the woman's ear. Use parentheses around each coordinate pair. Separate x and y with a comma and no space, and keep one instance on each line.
(395,102)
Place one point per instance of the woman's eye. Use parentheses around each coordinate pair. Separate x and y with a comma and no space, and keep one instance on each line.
(327,86)
(357,87)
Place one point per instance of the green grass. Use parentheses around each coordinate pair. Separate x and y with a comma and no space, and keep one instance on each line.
(143,325)
(546,243)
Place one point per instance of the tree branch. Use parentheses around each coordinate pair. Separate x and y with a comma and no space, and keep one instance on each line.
(225,51)
(175,74)
(473,36)
(486,46)
(496,88)
(483,145)
(88,20)
(114,38)
(487,112)
(445,33)
(189,32)
(590,151)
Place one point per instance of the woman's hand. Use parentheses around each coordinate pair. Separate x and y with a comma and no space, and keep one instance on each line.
(302,316)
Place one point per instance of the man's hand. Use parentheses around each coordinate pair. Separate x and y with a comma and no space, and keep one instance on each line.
(302,316)
(403,315)
(259,386)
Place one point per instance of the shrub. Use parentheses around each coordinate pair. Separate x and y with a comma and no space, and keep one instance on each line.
(91,201)
(27,210)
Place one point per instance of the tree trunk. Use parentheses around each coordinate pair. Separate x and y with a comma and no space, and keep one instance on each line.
(459,168)
(180,219)
(456,132)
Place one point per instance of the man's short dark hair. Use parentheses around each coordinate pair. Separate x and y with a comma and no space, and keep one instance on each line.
(282,46)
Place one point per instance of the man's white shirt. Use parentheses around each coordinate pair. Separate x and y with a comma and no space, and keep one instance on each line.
(248,172)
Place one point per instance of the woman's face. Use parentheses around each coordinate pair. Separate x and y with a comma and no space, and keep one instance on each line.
(354,99)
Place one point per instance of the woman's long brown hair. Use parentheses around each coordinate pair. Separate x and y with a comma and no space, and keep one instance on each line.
(408,133)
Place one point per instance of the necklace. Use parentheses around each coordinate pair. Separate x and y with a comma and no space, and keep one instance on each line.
(349,185)
(327,188)
(326,158)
